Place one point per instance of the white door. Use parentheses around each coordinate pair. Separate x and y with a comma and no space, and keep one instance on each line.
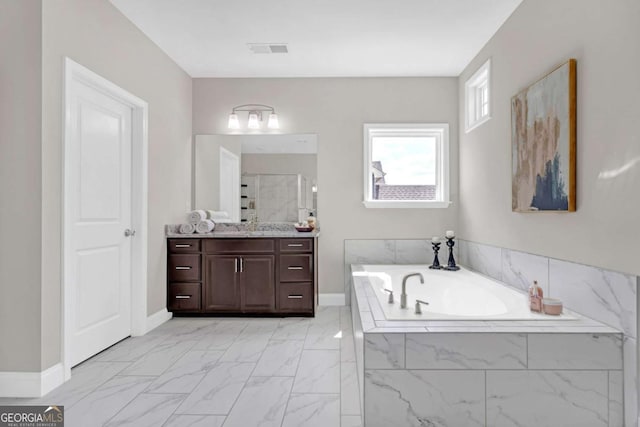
(97,213)
(230,184)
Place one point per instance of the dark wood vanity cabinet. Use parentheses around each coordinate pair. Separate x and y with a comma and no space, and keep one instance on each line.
(257,283)
(222,291)
(296,286)
(245,275)
(239,283)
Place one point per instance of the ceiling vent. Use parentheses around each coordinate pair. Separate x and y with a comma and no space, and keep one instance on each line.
(268,48)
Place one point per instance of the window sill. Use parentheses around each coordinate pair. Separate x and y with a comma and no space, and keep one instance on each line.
(403,204)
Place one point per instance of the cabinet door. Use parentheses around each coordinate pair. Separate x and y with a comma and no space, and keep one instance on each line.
(221,287)
(258,282)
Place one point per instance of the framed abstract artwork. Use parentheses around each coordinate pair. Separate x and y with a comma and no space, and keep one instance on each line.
(543,143)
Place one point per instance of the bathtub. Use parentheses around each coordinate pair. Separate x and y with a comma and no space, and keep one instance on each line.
(452,295)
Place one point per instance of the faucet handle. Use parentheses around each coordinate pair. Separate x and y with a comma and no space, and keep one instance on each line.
(418,308)
(390,295)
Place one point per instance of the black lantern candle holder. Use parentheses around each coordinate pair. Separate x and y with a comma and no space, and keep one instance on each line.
(451,264)
(436,262)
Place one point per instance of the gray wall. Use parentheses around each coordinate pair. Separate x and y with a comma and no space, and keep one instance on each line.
(335,109)
(20,184)
(95,34)
(603,37)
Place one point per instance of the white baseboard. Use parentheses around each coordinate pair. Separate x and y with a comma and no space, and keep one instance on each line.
(157,319)
(331,299)
(52,378)
(31,384)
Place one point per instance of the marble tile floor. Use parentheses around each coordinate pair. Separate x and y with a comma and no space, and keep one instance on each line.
(225,372)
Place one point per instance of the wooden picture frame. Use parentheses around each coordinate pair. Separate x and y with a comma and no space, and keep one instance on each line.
(543,143)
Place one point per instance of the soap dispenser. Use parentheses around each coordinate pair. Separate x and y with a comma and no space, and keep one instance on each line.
(311,220)
(535,297)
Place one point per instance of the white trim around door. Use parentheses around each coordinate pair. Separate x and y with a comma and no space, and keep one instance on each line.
(75,73)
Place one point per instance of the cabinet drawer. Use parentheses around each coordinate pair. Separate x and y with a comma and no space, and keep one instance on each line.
(184,268)
(295,296)
(296,268)
(296,245)
(179,246)
(238,246)
(184,296)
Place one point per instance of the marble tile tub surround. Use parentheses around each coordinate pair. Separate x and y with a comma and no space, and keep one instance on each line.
(373,320)
(481,374)
(601,294)
(407,251)
(608,296)
(604,295)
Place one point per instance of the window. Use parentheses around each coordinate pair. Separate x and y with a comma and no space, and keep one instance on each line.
(406,165)
(476,92)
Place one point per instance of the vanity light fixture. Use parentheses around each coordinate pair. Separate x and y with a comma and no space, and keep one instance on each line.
(254,118)
(234,123)
(253,122)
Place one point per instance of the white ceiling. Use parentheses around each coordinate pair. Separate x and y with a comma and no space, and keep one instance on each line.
(326,38)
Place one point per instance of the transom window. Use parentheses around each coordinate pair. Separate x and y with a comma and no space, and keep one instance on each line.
(406,165)
(477,106)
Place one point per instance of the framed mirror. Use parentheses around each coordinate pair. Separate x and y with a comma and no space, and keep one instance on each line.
(272,178)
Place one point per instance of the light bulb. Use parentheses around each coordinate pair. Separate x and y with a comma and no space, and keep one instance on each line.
(253,123)
(273,121)
(234,123)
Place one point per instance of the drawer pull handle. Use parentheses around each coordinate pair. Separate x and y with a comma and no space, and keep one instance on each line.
(183,246)
(183,296)
(183,268)
(295,297)
(294,268)
(295,245)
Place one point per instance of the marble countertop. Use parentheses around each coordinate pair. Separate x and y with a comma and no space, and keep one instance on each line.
(243,235)
(374,321)
(235,231)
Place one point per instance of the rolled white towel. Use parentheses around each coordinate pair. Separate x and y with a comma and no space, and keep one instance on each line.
(205,226)
(196,216)
(187,228)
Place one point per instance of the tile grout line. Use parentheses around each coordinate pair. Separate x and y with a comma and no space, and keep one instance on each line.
(123,408)
(100,384)
(204,376)
(244,386)
(286,406)
(609,398)
(486,399)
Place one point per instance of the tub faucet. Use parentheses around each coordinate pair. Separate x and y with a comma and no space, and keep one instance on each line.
(418,309)
(403,297)
(390,301)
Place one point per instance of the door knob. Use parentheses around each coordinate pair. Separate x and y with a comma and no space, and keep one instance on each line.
(129,233)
